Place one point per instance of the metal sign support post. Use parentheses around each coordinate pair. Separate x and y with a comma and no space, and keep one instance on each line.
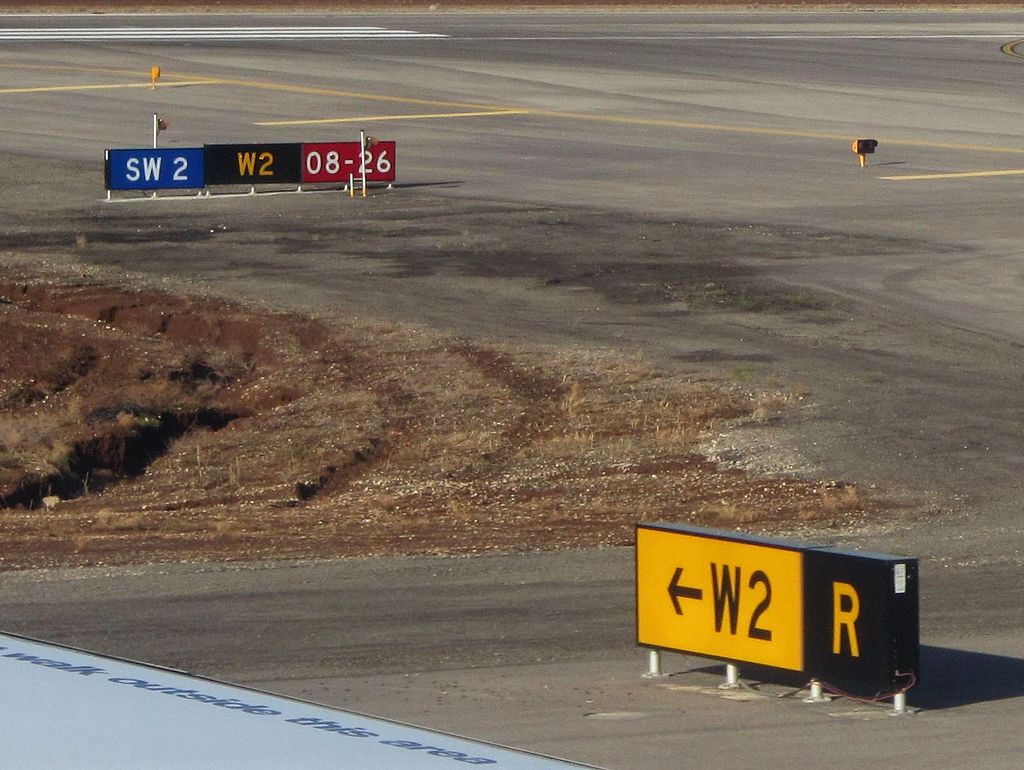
(732,677)
(653,665)
(362,158)
(899,704)
(816,694)
(156,133)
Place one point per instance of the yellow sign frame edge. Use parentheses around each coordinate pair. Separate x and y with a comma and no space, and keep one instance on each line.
(714,534)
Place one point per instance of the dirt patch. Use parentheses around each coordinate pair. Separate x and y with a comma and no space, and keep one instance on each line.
(141,426)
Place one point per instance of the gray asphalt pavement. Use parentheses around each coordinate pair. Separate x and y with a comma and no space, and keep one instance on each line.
(579,179)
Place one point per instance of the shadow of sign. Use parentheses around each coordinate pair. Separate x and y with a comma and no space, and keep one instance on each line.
(414,185)
(952,678)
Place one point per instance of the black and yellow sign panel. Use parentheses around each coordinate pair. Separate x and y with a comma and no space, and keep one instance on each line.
(848,619)
(719,598)
(251,164)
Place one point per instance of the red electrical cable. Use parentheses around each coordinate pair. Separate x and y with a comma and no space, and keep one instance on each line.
(878,697)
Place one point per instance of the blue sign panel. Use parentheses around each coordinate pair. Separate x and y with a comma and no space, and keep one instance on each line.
(155,169)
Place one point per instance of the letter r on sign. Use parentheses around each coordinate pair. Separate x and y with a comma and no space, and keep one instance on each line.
(845,611)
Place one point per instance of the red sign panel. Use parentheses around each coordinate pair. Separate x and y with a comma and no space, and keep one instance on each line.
(340,161)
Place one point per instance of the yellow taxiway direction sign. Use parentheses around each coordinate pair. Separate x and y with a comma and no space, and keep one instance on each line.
(719,598)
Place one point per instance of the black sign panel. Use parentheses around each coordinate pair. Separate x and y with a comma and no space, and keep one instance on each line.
(861,620)
(251,164)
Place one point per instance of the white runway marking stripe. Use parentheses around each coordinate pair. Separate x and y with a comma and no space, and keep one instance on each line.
(765,36)
(85,34)
(157,34)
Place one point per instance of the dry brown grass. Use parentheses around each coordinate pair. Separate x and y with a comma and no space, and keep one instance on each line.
(356,437)
(119,521)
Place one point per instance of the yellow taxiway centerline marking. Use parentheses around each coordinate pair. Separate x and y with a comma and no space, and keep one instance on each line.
(101,87)
(630,120)
(954,175)
(68,68)
(320,121)
(318,91)
(781,132)
(1010,49)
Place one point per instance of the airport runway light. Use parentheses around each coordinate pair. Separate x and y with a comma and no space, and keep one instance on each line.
(862,148)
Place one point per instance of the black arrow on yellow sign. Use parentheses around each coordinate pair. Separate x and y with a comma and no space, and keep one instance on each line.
(677,592)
